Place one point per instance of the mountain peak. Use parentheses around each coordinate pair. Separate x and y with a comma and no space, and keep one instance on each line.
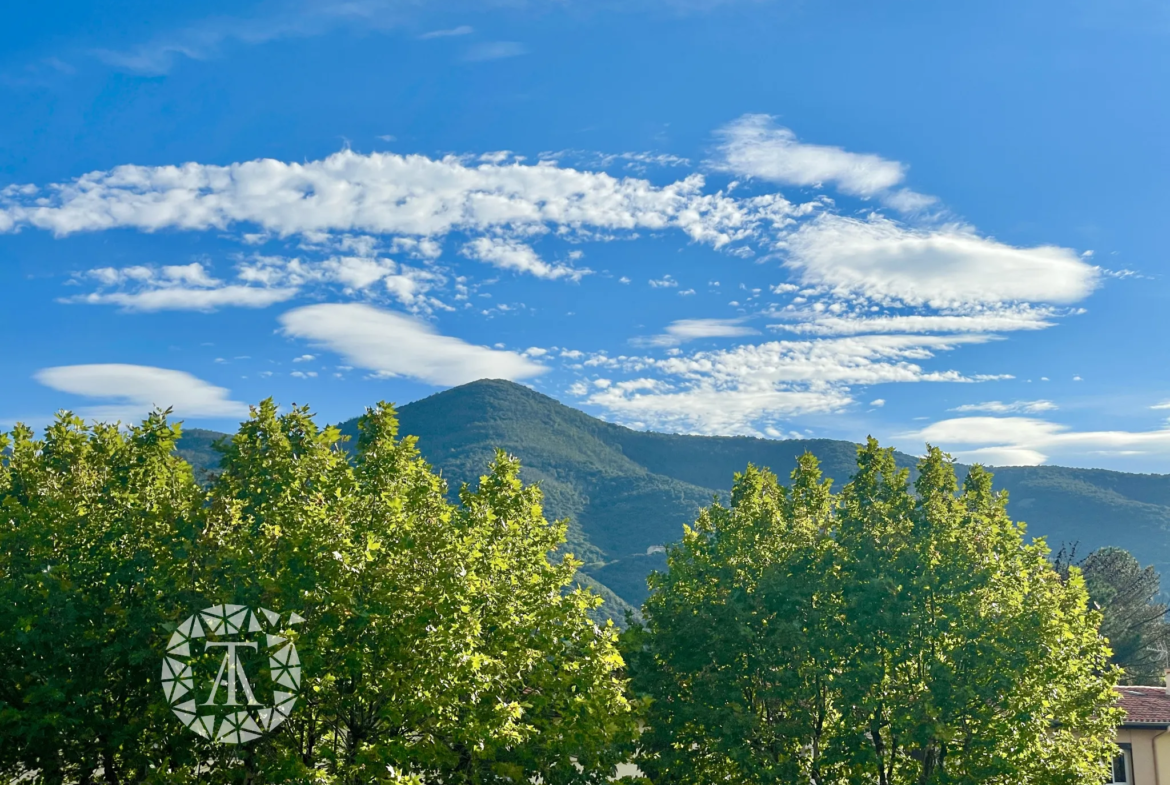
(627,492)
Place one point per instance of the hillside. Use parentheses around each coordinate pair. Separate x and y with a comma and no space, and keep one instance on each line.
(627,491)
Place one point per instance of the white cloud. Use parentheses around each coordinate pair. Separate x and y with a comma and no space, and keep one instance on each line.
(385,193)
(136,389)
(690,329)
(869,359)
(1015,407)
(683,330)
(513,255)
(1007,319)
(874,297)
(745,389)
(174,288)
(639,162)
(878,402)
(1162,405)
(1031,441)
(392,344)
(1004,456)
(945,268)
(754,146)
(260,281)
(180,299)
(188,274)
(706,409)
(367,277)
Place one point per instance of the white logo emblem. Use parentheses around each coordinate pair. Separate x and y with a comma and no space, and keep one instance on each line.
(208,663)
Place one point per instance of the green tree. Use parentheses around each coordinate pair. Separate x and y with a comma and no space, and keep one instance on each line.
(96,525)
(888,634)
(440,643)
(440,640)
(1133,618)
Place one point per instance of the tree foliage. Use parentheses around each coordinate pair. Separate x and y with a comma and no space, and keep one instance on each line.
(96,529)
(886,634)
(1133,617)
(441,643)
(626,490)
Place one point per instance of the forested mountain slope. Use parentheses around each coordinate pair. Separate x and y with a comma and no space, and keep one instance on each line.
(627,491)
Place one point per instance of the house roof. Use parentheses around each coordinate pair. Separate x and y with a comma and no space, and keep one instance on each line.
(1145,705)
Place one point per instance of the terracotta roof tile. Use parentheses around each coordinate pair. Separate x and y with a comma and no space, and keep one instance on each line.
(1145,705)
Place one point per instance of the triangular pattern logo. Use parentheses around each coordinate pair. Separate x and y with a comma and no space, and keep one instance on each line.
(232,673)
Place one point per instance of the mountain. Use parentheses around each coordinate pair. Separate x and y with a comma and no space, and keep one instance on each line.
(627,492)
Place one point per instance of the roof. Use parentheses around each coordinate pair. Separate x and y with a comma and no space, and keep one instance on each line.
(1145,705)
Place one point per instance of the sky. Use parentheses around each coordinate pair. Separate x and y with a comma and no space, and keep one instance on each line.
(929,222)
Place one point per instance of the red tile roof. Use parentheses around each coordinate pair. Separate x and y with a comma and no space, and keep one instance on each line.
(1145,705)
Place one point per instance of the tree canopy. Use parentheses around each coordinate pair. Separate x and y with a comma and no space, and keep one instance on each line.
(440,642)
(889,634)
(1133,617)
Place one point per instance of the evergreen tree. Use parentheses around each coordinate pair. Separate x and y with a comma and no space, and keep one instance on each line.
(1133,617)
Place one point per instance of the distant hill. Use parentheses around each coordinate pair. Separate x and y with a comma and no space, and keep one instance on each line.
(625,491)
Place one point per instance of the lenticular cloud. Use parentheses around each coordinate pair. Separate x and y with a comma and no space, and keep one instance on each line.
(941,268)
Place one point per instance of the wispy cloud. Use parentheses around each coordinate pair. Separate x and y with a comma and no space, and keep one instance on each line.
(1014,407)
(450,33)
(1029,441)
(684,330)
(173,288)
(206,38)
(509,254)
(260,281)
(752,389)
(755,146)
(988,320)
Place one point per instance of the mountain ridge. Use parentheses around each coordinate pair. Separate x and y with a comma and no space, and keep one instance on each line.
(627,492)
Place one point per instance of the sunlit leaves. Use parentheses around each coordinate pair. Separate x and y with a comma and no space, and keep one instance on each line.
(440,641)
(886,634)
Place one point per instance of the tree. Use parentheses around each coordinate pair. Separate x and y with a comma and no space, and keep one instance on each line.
(885,634)
(1133,619)
(96,525)
(439,642)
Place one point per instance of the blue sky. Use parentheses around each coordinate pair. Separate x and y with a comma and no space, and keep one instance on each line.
(921,221)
